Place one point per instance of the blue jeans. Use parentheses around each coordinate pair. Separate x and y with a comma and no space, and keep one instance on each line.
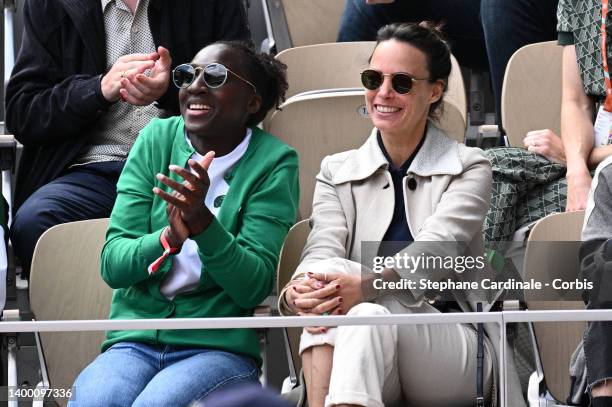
(478,30)
(509,25)
(244,395)
(137,374)
(361,21)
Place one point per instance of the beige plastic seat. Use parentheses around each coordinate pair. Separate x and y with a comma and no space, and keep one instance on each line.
(65,284)
(320,124)
(325,66)
(317,126)
(290,257)
(304,29)
(339,65)
(543,261)
(531,93)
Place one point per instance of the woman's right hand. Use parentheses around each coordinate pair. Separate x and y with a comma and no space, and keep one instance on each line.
(310,297)
(177,232)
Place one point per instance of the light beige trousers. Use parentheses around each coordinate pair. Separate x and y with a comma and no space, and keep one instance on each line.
(405,365)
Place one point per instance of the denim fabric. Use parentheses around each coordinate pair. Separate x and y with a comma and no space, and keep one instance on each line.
(141,375)
(83,192)
(243,395)
(478,30)
(360,22)
(510,25)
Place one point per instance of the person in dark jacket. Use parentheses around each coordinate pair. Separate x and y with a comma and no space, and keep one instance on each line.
(90,74)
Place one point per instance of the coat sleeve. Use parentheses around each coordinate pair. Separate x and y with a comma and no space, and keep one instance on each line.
(40,97)
(597,226)
(459,215)
(231,21)
(326,248)
(596,248)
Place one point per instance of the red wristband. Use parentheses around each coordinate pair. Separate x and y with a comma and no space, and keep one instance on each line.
(153,267)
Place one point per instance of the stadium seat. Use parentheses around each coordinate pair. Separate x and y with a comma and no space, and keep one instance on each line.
(320,124)
(343,64)
(290,257)
(317,126)
(65,284)
(531,94)
(554,342)
(291,23)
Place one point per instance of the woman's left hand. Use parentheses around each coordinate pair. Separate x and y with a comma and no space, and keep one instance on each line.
(546,143)
(350,287)
(189,195)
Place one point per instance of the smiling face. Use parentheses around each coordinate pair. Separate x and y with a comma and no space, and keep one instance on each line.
(397,114)
(223,111)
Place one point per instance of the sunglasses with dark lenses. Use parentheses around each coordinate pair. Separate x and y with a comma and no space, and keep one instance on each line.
(401,82)
(214,75)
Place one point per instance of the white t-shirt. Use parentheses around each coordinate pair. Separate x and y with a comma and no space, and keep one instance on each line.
(187,266)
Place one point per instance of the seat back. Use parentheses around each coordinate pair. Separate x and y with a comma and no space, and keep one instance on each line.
(343,64)
(317,126)
(325,66)
(531,93)
(313,21)
(290,257)
(320,124)
(556,340)
(65,284)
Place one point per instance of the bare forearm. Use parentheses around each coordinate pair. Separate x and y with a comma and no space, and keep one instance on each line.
(576,116)
(577,136)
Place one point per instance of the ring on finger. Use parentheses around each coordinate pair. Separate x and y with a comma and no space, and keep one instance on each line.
(123,74)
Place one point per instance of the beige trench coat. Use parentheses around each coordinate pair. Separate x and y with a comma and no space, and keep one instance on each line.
(353,203)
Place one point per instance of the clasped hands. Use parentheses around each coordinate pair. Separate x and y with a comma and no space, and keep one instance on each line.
(187,214)
(126,80)
(324,294)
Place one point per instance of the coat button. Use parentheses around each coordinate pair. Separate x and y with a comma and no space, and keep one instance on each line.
(412,184)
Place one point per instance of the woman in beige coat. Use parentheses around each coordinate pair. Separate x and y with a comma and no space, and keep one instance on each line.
(409,182)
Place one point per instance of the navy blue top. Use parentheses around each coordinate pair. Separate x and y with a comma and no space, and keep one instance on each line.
(398,230)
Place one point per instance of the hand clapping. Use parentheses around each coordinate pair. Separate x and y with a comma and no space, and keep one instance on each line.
(187,199)
(127,80)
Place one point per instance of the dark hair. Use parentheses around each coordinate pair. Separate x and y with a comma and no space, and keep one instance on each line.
(428,39)
(269,76)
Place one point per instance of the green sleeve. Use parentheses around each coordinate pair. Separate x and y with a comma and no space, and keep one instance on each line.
(130,244)
(245,265)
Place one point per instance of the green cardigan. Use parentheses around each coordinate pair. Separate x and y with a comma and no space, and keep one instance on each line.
(239,249)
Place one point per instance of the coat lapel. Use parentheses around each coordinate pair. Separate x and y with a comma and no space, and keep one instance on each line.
(438,156)
(88,21)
